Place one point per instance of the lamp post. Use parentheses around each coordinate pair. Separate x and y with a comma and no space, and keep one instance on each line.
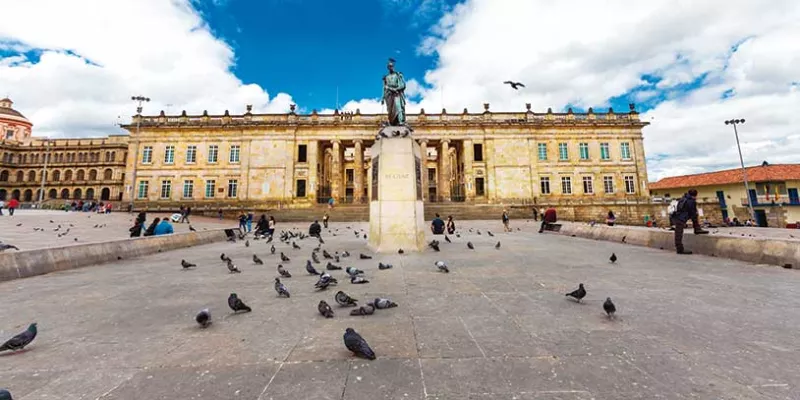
(47,144)
(735,122)
(139,100)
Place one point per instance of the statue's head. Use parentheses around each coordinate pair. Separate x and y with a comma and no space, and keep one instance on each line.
(390,65)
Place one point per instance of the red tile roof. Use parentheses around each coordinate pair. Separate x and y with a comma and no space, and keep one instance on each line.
(768,173)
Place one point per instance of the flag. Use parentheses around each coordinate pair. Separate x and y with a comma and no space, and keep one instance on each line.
(766,191)
(777,194)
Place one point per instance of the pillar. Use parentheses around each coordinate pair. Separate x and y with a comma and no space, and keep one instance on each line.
(423,151)
(443,189)
(358,172)
(469,173)
(313,157)
(336,171)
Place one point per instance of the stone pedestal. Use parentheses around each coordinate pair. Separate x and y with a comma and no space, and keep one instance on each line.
(396,219)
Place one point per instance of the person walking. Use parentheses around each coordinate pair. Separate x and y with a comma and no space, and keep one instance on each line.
(271,225)
(330,203)
(219,213)
(535,214)
(12,205)
(249,221)
(325,220)
(2,204)
(506,221)
(451,226)
(242,222)
(186,214)
(686,210)
(183,214)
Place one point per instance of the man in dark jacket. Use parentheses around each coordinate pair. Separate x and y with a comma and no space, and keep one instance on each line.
(687,210)
(315,229)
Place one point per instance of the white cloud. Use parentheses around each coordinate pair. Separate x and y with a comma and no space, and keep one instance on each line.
(98,53)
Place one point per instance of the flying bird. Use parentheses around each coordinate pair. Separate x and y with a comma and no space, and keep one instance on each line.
(232,268)
(434,244)
(613,258)
(186,265)
(21,340)
(470,246)
(325,309)
(355,343)
(344,300)
(310,268)
(236,304)
(257,260)
(363,310)
(284,273)
(609,307)
(382,304)
(281,288)
(203,318)
(578,294)
(514,85)
(442,266)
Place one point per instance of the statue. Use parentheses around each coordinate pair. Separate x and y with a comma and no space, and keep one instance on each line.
(393,96)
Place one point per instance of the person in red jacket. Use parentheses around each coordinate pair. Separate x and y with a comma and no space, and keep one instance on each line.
(549,218)
(12,205)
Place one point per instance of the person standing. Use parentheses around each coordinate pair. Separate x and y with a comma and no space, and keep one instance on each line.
(506,221)
(271,225)
(611,219)
(242,222)
(219,213)
(2,204)
(325,220)
(249,221)
(12,205)
(685,211)
(535,214)
(330,203)
(548,218)
(186,215)
(451,226)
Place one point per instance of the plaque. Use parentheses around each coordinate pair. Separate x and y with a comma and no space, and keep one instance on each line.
(418,170)
(375,174)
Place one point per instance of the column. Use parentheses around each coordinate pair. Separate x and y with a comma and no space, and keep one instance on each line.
(423,152)
(313,158)
(336,171)
(444,171)
(469,174)
(358,172)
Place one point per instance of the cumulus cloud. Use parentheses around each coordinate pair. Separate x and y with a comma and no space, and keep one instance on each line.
(87,64)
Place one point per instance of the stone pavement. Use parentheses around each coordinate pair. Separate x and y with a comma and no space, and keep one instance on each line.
(497,327)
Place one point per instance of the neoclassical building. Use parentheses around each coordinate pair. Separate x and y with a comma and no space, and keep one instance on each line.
(299,160)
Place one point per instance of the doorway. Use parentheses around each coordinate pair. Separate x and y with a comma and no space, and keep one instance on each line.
(761,218)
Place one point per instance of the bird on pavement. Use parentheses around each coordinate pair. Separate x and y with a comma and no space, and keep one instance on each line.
(325,309)
(363,310)
(203,318)
(434,244)
(257,260)
(355,343)
(247,243)
(344,300)
(497,246)
(609,307)
(325,280)
(358,280)
(4,247)
(470,246)
(478,232)
(310,268)
(191,229)
(490,233)
(272,249)
(331,267)
(353,271)
(21,340)
(578,293)
(5,395)
(382,304)
(315,258)
(185,264)
(326,255)
(269,239)
(382,266)
(232,268)
(400,251)
(284,258)
(514,85)
(364,256)
(223,257)
(447,239)
(442,266)
(345,253)
(281,288)
(295,246)
(236,304)
(613,258)
(284,273)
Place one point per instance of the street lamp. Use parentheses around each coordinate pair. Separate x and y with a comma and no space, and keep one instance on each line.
(735,122)
(139,100)
(47,144)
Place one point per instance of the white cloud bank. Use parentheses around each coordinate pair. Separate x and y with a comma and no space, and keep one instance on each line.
(98,53)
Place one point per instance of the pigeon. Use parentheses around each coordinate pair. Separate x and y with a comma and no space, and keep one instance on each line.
(315,258)
(479,231)
(345,253)
(320,240)
(458,235)
(490,233)
(20,341)
(578,294)
(281,288)
(470,246)
(609,307)
(232,268)
(284,273)
(470,230)
(355,343)
(191,229)
(382,266)
(223,257)
(4,247)
(363,310)
(5,395)
(331,267)
(310,269)
(434,244)
(400,251)
(623,239)
(382,304)
(325,309)
(497,246)
(284,258)
(442,266)
(336,258)
(613,258)
(295,246)
(514,85)
(447,239)
(236,304)
(326,255)
(353,271)
(269,239)
(272,249)
(185,264)
(365,236)
(203,318)
(358,280)
(344,300)
(247,243)
(325,280)
(19,224)
(257,260)
(364,256)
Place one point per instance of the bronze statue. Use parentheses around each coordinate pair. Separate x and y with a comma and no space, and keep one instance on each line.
(394,87)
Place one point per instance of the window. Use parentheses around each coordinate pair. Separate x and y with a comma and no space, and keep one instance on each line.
(144,186)
(9,134)
(213,153)
(432,176)
(211,186)
(349,177)
(625,151)
(588,185)
(566,185)
(147,155)
(604,153)
(608,184)
(630,185)
(188,189)
(544,182)
(302,153)
(479,191)
(169,154)
(477,150)
(563,152)
(233,187)
(542,151)
(191,154)
(234,156)
(584,148)
(301,188)
(166,189)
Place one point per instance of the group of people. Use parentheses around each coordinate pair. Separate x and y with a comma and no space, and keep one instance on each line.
(156,228)
(264,227)
(438,226)
(88,206)
(13,204)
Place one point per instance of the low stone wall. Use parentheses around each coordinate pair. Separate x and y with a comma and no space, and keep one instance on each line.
(755,250)
(23,264)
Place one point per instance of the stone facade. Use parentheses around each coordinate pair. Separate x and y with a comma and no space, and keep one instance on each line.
(294,161)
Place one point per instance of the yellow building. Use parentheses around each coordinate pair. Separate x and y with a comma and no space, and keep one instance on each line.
(292,160)
(773,192)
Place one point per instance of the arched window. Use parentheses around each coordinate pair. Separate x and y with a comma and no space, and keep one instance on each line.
(68,175)
(25,159)
(77,194)
(31,176)
(19,158)
(80,175)
(28,196)
(108,156)
(64,193)
(92,175)
(52,194)
(105,194)
(56,175)
(113,156)
(15,194)
(90,194)
(20,176)
(4,176)
(108,174)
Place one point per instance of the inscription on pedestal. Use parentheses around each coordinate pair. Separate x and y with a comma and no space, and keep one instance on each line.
(375,174)
(418,170)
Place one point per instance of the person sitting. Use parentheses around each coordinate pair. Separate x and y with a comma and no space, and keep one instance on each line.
(163,228)
(152,228)
(548,219)
(262,226)
(611,218)
(437,225)
(315,229)
(451,226)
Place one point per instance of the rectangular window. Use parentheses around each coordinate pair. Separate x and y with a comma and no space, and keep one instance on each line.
(588,185)
(432,176)
(563,152)
(302,153)
(213,153)
(301,188)
(147,155)
(349,177)
(169,154)
(479,190)
(188,189)
(544,182)
(542,151)
(166,189)
(233,187)
(584,148)
(191,154)
(144,186)
(608,184)
(477,149)
(566,185)
(9,134)
(625,151)
(234,156)
(630,185)
(604,153)
(211,186)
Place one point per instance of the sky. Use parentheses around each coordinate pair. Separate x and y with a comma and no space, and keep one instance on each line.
(687,65)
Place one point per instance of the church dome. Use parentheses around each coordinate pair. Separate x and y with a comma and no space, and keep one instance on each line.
(9,113)
(13,125)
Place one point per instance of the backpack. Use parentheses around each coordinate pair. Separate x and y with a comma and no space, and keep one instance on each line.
(673,207)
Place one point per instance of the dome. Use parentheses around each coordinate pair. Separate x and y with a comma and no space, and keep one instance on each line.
(8,113)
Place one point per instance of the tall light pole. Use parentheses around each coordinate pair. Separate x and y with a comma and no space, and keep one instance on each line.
(138,99)
(44,173)
(735,122)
